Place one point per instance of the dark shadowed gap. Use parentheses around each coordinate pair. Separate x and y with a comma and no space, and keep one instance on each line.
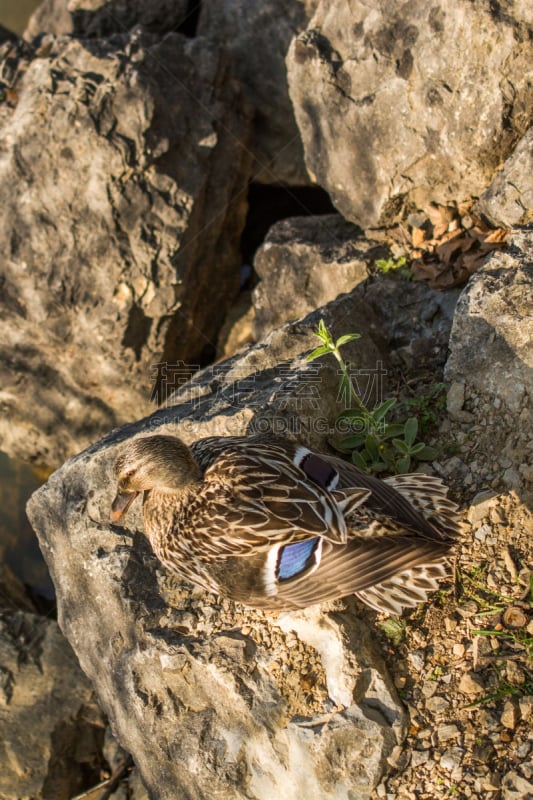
(19,548)
(268,204)
(190,24)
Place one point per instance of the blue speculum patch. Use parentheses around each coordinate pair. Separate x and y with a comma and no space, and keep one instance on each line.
(295,558)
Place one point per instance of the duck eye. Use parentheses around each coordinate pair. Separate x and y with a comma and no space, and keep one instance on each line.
(124,478)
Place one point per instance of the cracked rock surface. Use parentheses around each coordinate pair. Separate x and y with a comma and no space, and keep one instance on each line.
(116,251)
(411,103)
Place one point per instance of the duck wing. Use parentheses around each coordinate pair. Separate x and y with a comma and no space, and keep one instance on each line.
(254,497)
(386,574)
(415,503)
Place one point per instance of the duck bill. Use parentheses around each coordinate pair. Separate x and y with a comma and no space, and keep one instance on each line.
(121,503)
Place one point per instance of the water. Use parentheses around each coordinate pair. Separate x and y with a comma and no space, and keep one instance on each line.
(18,543)
(14,14)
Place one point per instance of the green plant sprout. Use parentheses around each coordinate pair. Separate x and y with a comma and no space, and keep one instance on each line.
(398,265)
(504,688)
(427,407)
(374,443)
(394,628)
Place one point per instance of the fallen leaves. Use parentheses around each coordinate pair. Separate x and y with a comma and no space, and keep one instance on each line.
(445,243)
(457,246)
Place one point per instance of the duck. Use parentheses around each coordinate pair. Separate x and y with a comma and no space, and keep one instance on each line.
(271,524)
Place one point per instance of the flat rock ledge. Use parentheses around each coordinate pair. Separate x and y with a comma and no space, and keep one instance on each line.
(211,699)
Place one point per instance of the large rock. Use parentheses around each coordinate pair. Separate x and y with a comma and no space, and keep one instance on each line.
(121,180)
(51,730)
(416,319)
(97,18)
(509,199)
(409,103)
(490,344)
(310,260)
(210,698)
(256,35)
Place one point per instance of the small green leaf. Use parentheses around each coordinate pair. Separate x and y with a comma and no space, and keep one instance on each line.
(417,448)
(381,411)
(353,442)
(403,464)
(359,461)
(394,429)
(348,337)
(410,429)
(427,454)
(401,446)
(372,447)
(320,351)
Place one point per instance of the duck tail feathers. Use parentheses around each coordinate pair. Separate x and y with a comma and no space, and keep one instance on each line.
(405,590)
(428,495)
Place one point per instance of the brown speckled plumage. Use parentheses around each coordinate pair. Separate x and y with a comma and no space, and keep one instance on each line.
(237,515)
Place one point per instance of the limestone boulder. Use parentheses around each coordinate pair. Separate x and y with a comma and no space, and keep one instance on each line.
(304,263)
(97,18)
(121,179)
(256,35)
(490,344)
(401,105)
(51,730)
(508,201)
(209,697)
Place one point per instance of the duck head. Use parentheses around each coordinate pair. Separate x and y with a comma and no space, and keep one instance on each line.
(152,462)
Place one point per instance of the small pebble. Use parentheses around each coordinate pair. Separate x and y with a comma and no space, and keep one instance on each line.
(429,688)
(526,707)
(493,782)
(400,681)
(451,759)
(417,660)
(514,617)
(515,674)
(419,757)
(447,732)
(470,684)
(468,609)
(481,504)
(455,399)
(522,751)
(510,714)
(437,704)
(482,533)
(514,786)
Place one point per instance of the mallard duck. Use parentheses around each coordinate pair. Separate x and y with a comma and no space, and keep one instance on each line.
(273,525)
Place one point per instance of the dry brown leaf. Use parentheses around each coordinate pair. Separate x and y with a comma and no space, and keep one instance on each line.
(417,236)
(447,250)
(499,235)
(473,261)
(464,207)
(440,230)
(444,253)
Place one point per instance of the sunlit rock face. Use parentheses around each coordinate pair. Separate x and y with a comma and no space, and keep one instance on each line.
(117,250)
